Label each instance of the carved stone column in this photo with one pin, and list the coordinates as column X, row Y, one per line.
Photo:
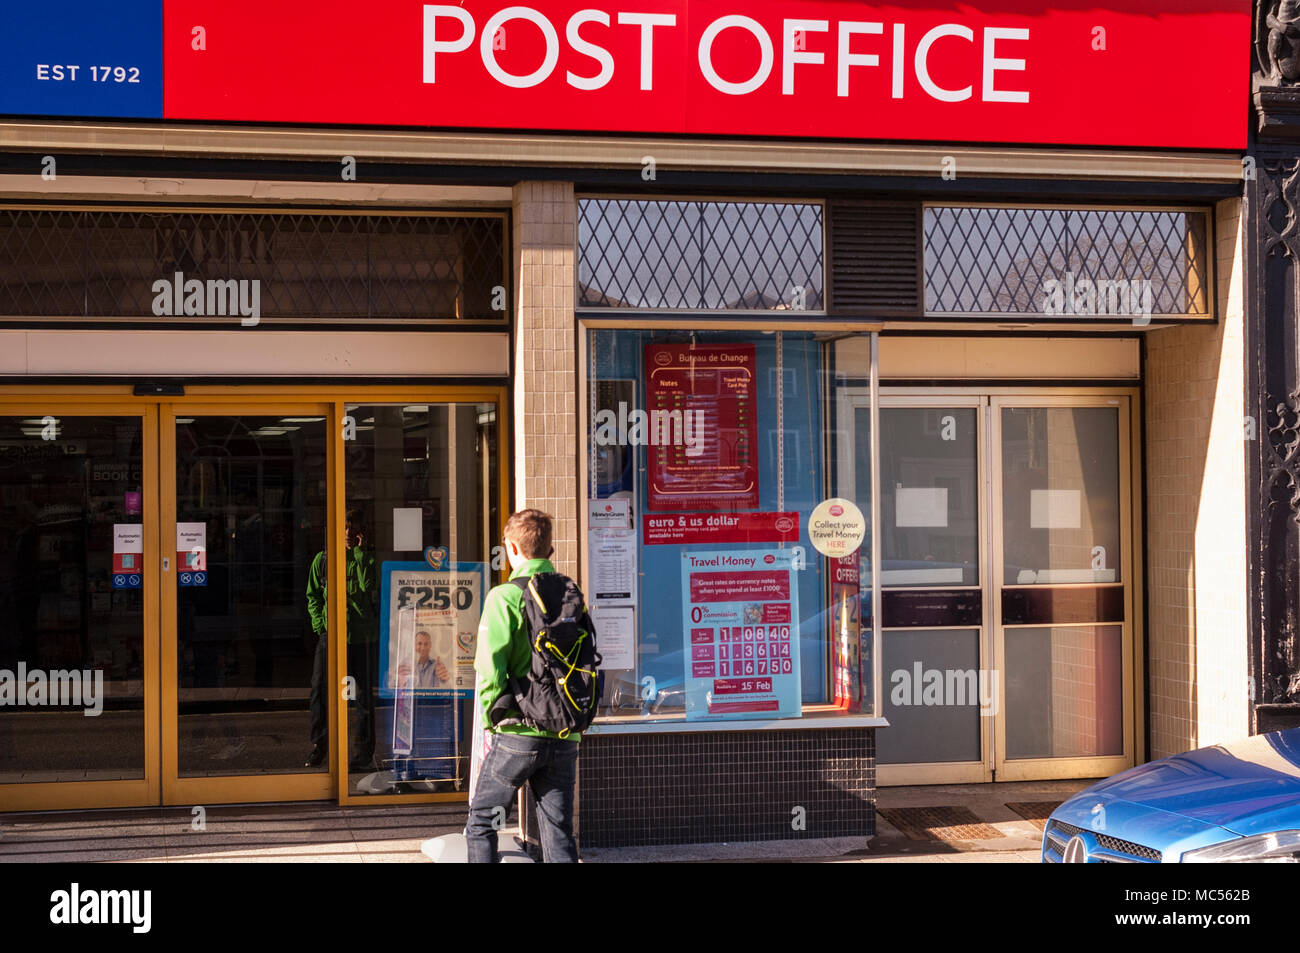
column 1272, row 209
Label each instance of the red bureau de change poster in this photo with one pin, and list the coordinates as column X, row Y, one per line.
column 703, row 428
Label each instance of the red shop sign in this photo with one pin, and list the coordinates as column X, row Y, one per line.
column 1011, row 71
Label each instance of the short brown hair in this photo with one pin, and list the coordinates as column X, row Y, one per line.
column 531, row 531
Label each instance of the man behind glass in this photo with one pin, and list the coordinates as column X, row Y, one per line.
column 362, row 639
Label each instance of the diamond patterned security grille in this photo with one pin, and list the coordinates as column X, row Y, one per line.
column 1003, row 260
column 103, row 264
column 706, row 256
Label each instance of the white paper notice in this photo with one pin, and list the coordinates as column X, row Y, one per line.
column 612, row 513
column 613, row 565
column 615, row 636
column 921, row 506
column 408, row 535
column 128, row 538
column 192, row 546
column 1054, row 509
column 191, row 536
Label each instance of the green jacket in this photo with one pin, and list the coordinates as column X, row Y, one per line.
column 503, row 648
column 363, row 624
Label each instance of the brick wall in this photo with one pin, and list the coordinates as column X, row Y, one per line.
column 545, row 445
column 1196, row 522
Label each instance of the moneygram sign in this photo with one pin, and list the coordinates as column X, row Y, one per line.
column 1009, row 71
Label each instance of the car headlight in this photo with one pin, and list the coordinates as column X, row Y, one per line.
column 1279, row 847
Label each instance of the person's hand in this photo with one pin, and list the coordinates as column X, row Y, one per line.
column 441, row 671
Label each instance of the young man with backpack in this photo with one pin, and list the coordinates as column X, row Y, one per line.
column 536, row 663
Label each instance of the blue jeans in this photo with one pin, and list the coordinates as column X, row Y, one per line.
column 550, row 766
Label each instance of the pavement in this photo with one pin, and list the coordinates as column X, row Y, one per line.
column 328, row 833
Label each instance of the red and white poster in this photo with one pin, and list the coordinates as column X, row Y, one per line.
column 1012, row 71
column 687, row 529
column 741, row 623
column 703, row 417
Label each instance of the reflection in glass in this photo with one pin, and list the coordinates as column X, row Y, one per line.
column 1064, row 691
column 71, row 627
column 421, row 479
column 1060, row 495
column 253, row 490
column 929, row 492
column 788, row 418
column 933, row 690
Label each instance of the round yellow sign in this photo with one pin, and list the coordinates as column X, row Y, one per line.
column 836, row 527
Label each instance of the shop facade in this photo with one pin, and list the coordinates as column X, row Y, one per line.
column 880, row 463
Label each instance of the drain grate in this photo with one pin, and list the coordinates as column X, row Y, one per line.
column 1035, row 812
column 945, row 823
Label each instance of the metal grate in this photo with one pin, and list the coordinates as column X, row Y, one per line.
column 944, row 822
column 1004, row 261
column 104, row 264
column 712, row 256
column 1105, row 840
column 875, row 258
column 1035, row 812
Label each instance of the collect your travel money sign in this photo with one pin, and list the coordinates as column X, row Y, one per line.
column 836, row 527
column 1014, row 71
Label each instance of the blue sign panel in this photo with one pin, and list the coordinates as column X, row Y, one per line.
column 82, row 58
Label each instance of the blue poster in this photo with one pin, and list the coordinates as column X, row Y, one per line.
column 434, row 653
column 741, row 631
column 82, row 58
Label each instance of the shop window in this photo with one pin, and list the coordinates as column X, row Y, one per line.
column 197, row 269
column 728, row 551
column 1080, row 263
column 712, row 256
column 423, row 508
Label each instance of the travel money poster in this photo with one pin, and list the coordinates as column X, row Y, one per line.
column 741, row 625
column 433, row 652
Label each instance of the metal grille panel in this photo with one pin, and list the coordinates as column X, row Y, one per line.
column 713, row 256
column 1105, row 840
column 875, row 258
column 1003, row 261
column 104, row 264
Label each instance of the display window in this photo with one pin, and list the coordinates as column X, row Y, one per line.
column 729, row 547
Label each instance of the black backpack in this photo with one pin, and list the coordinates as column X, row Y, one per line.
column 561, row 691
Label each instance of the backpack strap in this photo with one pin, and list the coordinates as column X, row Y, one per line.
column 522, row 583
column 507, row 701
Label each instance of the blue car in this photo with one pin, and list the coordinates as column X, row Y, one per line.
column 1232, row 802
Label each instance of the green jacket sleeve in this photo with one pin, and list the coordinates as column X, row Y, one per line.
column 316, row 593
column 501, row 618
column 363, row 622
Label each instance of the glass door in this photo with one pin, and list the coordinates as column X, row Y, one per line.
column 1063, row 568
column 78, row 607
column 935, row 658
column 1006, row 554
column 245, row 642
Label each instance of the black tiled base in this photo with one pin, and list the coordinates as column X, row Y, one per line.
column 702, row 787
